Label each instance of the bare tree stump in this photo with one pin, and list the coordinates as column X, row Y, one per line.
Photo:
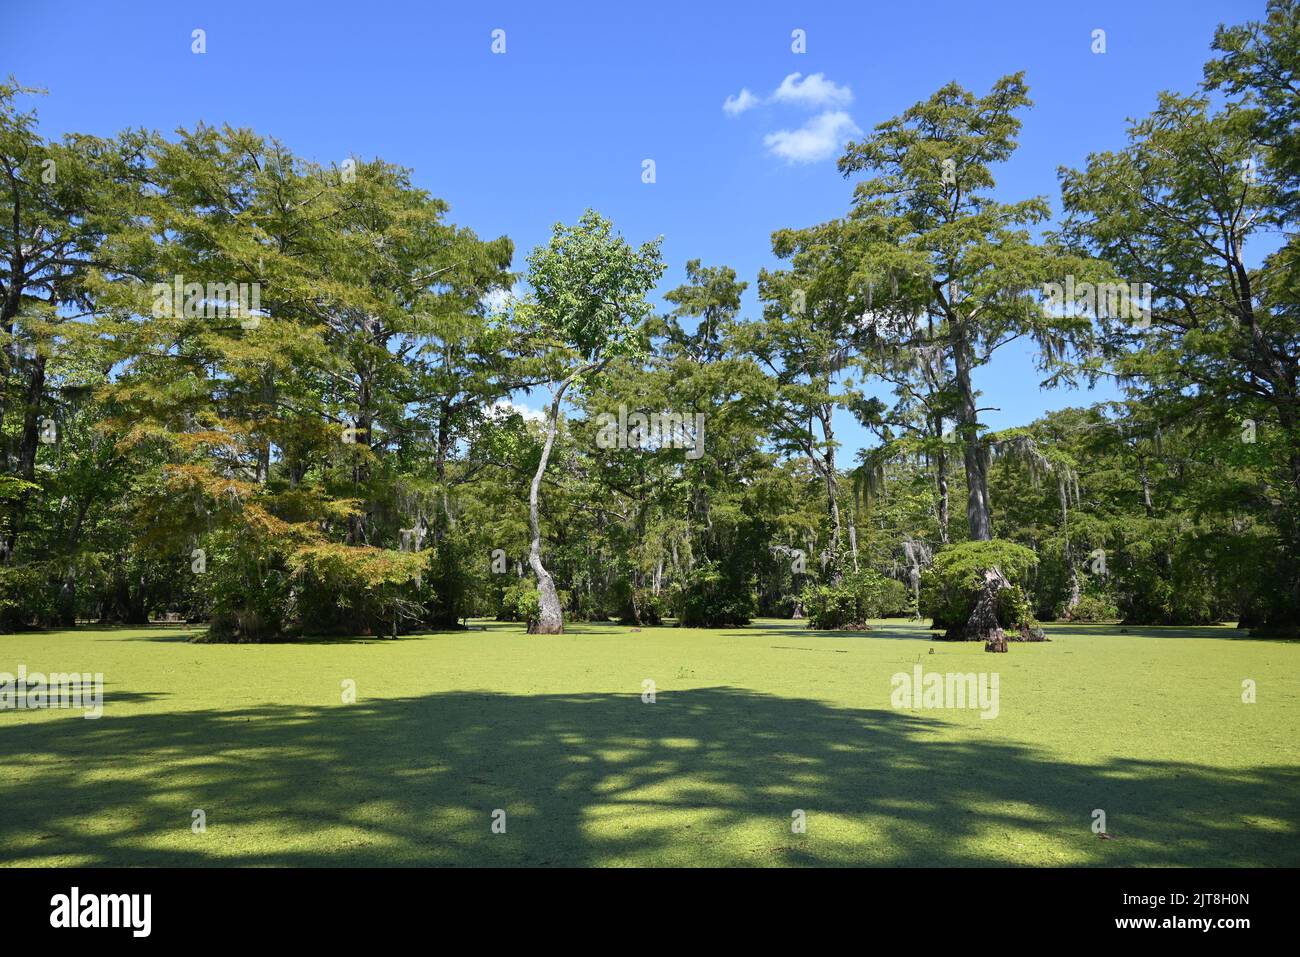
column 1030, row 633
column 983, row 621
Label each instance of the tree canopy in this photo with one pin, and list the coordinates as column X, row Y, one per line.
column 282, row 398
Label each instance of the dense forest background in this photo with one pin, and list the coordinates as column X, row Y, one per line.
column 244, row 389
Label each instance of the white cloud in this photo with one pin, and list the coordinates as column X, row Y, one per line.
column 742, row 101
column 812, row 91
column 505, row 407
column 818, row 139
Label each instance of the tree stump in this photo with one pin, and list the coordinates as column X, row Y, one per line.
column 983, row 621
column 1030, row 633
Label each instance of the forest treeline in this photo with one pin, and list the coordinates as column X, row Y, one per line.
column 246, row 389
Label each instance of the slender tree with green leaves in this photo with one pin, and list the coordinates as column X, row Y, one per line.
column 587, row 306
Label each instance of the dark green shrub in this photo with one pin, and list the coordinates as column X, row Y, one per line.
column 520, row 602
column 895, row 600
column 1013, row 608
column 253, row 596
column 645, row 607
column 859, row 596
column 712, row 598
column 25, row 598
column 1091, row 608
column 636, row 604
column 452, row 579
column 831, row 607
column 592, row 606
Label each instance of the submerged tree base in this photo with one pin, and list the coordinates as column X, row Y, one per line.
column 983, row 623
column 1029, row 633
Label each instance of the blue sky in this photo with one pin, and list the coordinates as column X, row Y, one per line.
column 586, row 92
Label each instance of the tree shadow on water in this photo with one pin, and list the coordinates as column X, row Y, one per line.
column 704, row 776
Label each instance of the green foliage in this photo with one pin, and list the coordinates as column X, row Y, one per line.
column 252, row 599
column 519, row 602
column 951, row 585
column 895, row 601
column 25, row 599
column 713, row 596
column 1091, row 608
column 1207, row 182
column 647, row 608
column 850, row 603
column 930, row 241
column 453, row 577
column 347, row 457
column 589, row 288
column 1013, row 608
